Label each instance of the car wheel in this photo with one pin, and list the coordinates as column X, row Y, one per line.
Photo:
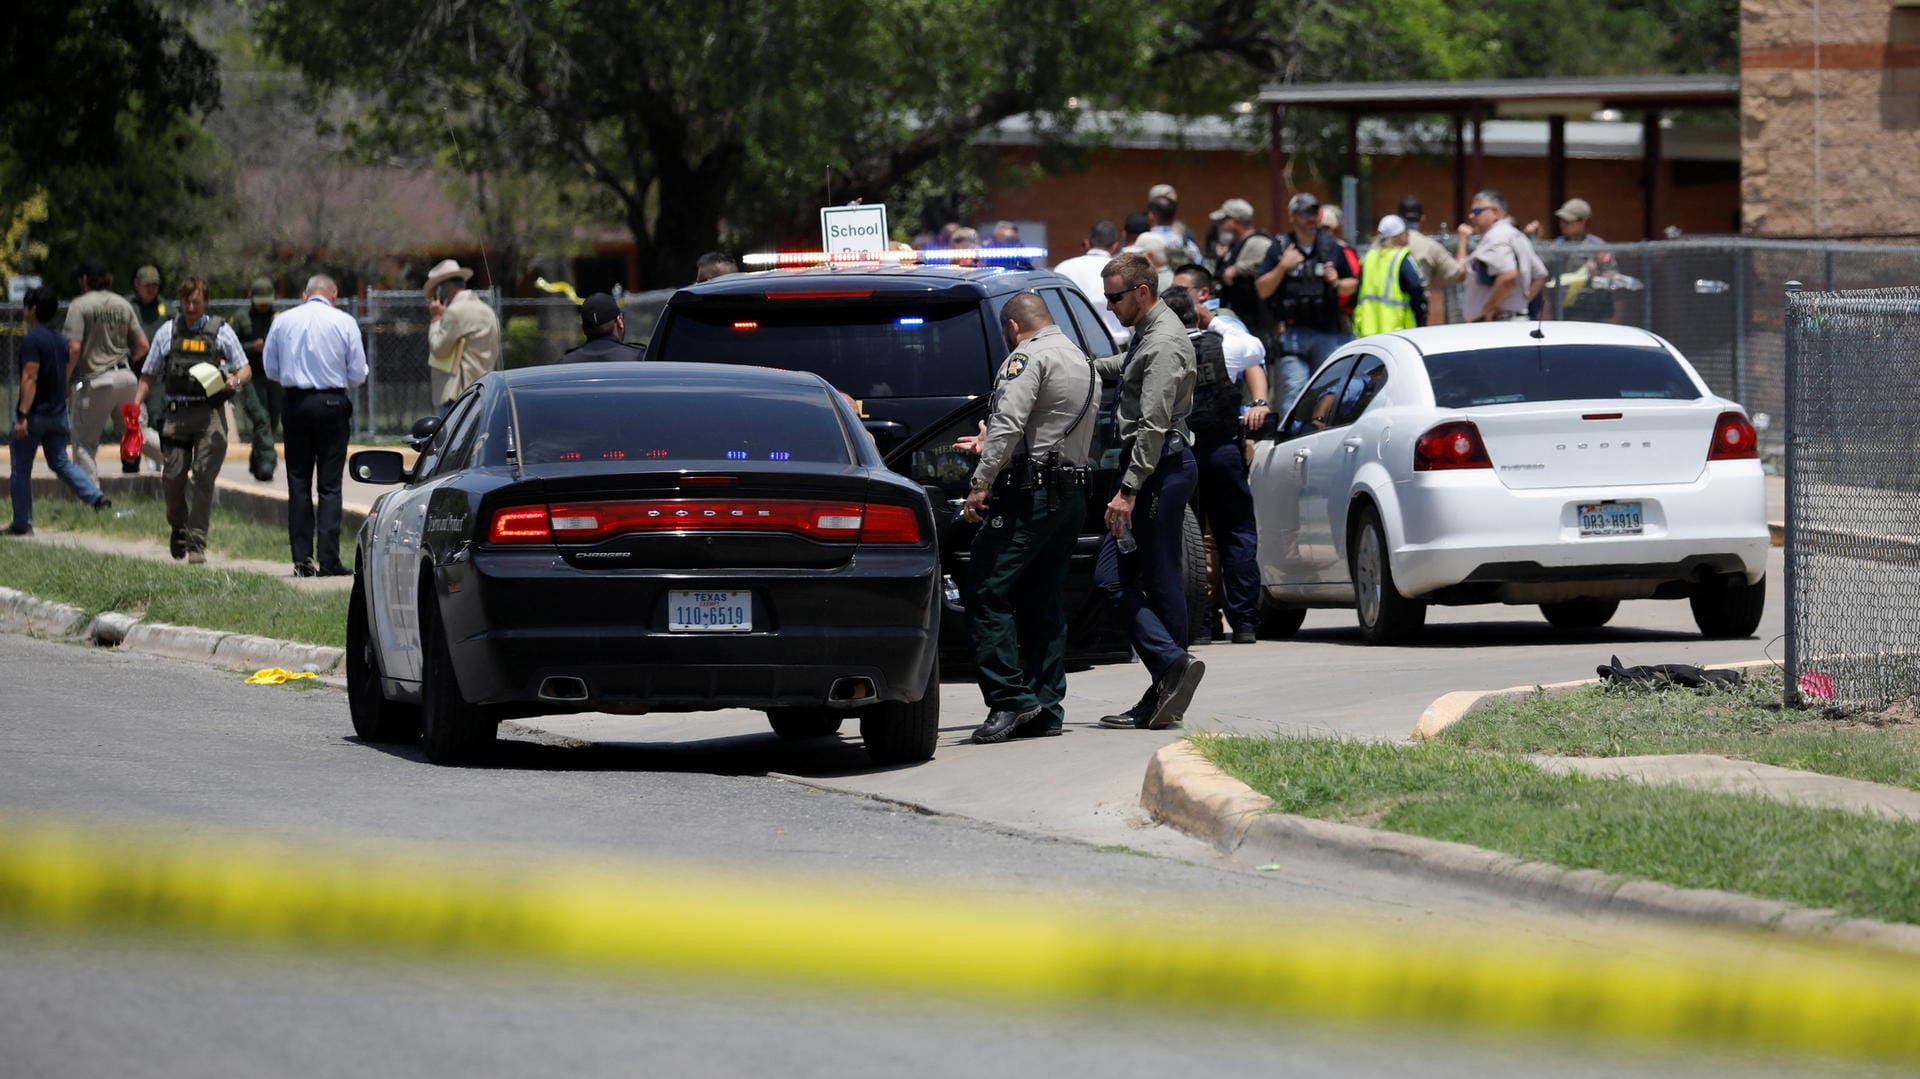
column 1580, row 613
column 1279, row 621
column 1193, row 580
column 1386, row 616
column 452, row 731
column 804, row 722
column 375, row 718
column 1729, row 607
column 904, row 732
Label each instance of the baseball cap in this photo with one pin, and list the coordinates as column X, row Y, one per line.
column 1574, row 210
column 1158, row 190
column 1411, row 209
column 263, row 288
column 92, row 267
column 146, row 275
column 1392, row 225
column 598, row 310
column 1303, row 202
column 1238, row 209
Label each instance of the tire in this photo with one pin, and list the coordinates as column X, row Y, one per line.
column 452, row 731
column 1193, row 580
column 1729, row 607
column 1279, row 621
column 904, row 733
column 804, row 722
column 375, row 718
column 1386, row 617
column 1580, row 613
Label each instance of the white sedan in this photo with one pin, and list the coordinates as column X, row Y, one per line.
column 1566, row 464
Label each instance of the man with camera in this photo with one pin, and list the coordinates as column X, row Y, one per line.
column 1302, row 279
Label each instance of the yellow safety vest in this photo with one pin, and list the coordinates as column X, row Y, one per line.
column 1383, row 305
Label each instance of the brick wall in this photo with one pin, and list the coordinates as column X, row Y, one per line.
column 1699, row 198
column 1830, row 109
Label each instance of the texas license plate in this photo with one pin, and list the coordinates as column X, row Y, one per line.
column 709, row 612
column 1610, row 519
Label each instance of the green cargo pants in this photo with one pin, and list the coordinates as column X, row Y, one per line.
column 260, row 403
column 1015, row 613
column 193, row 440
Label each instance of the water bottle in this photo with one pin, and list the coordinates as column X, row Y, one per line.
column 1124, row 542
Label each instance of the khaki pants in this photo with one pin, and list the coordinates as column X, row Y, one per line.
column 195, row 438
column 96, row 402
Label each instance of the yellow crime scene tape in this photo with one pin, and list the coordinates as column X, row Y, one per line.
column 673, row 921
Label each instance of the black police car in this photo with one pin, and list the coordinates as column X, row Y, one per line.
column 916, row 348
column 634, row 536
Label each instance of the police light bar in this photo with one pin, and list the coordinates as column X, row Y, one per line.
column 936, row 257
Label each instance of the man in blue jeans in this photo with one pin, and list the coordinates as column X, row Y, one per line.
column 1302, row 279
column 40, row 417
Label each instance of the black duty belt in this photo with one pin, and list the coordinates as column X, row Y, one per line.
column 322, row 389
column 1024, row 474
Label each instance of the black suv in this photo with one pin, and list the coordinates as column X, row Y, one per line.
column 916, row 347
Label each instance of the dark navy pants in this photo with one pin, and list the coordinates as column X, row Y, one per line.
column 1145, row 586
column 1223, row 500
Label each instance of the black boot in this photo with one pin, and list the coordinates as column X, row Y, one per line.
column 1176, row 686
column 1001, row 723
column 1137, row 716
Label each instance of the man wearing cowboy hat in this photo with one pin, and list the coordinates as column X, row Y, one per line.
column 463, row 340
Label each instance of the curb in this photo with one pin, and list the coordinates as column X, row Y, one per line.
column 1183, row 789
column 1451, row 708
column 22, row 613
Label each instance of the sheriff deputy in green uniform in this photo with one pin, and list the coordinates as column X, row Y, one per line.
column 202, row 364
column 1029, row 489
column 260, row 398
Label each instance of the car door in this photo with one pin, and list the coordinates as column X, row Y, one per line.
column 403, row 525
column 1330, row 474
column 1295, row 536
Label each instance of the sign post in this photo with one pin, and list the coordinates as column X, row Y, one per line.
column 853, row 228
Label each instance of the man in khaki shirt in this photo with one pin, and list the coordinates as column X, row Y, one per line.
column 464, row 337
column 104, row 341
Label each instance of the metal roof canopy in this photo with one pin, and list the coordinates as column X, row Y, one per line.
column 1471, row 102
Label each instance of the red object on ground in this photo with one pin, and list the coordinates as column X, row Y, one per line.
column 131, row 442
column 1816, row 685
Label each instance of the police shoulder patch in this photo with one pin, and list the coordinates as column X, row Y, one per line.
column 1016, row 363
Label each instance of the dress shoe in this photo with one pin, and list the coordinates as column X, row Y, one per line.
column 1137, row 716
column 177, row 544
column 334, row 571
column 196, row 558
column 17, row 530
column 1246, row 635
column 1000, row 724
column 1176, row 687
column 305, row 569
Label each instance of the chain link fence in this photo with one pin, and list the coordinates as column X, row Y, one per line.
column 1853, row 496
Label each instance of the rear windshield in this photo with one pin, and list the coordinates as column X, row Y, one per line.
column 864, row 350
column 1501, row 376
column 661, row 423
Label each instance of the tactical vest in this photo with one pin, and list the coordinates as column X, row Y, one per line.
column 1304, row 297
column 1215, row 417
column 190, row 347
column 1383, row 303
column 1242, row 297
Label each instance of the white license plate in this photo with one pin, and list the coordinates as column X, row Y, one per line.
column 1610, row 519
column 709, row 612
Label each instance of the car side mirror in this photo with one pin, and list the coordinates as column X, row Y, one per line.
column 377, row 466
column 423, row 431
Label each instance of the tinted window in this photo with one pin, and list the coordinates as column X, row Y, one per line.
column 446, row 452
column 864, row 350
column 1501, row 376
column 655, row 422
column 1368, row 379
column 1318, row 404
column 1092, row 330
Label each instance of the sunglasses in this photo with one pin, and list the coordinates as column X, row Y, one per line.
column 1116, row 297
column 1478, row 210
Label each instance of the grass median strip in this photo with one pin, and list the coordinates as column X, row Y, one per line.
column 204, row 596
column 1858, row 865
column 1748, row 723
column 144, row 517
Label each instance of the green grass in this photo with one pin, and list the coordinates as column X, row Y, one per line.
column 205, row 596
column 1862, row 866
column 144, row 517
column 1749, row 723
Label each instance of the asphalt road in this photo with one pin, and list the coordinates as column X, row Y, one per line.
column 120, row 738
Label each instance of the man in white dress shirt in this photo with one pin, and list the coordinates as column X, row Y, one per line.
column 316, row 353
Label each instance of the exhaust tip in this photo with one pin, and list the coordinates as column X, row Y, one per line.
column 851, row 690
column 562, row 687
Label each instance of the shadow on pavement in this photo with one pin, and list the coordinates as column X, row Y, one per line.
column 1503, row 634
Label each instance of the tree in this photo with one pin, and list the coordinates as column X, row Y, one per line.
column 126, row 169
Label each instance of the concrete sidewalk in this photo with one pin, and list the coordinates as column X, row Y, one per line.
column 1706, row 771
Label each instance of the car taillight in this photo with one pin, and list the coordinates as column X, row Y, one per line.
column 521, row 524
column 1450, row 446
column 834, row 522
column 1734, row 439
